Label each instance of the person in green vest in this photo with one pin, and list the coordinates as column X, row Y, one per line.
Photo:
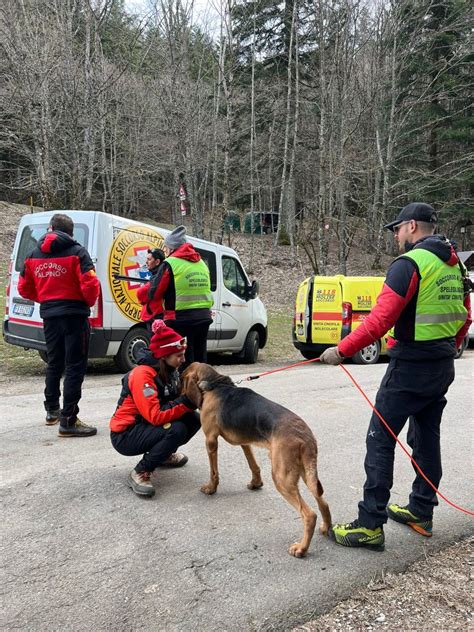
column 183, row 285
column 426, row 299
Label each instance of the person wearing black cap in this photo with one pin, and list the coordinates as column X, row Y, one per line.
column 183, row 284
column 151, row 310
column 424, row 299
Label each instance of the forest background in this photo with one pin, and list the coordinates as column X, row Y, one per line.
column 331, row 113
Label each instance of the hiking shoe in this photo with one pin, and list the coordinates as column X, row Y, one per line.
column 140, row 483
column 355, row 535
column 77, row 429
column 177, row 459
column 52, row 416
column 424, row 526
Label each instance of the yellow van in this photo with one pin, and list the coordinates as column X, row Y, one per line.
column 330, row 307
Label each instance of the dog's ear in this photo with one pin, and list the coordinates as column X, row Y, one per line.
column 190, row 387
column 190, row 370
column 193, row 392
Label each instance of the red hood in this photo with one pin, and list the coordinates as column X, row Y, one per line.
column 55, row 241
column 439, row 246
column 186, row 251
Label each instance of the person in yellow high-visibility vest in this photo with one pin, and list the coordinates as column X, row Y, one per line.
column 425, row 299
column 183, row 283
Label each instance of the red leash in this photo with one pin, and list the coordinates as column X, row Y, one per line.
column 400, row 443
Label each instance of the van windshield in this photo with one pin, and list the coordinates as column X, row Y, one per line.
column 31, row 235
column 234, row 278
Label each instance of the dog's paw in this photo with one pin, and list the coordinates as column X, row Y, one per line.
column 208, row 489
column 296, row 550
column 324, row 529
column 255, row 484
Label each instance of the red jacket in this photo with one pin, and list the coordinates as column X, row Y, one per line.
column 143, row 398
column 147, row 312
column 59, row 274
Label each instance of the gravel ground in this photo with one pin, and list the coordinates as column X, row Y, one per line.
column 434, row 594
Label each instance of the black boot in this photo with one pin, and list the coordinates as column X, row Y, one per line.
column 52, row 416
column 75, row 429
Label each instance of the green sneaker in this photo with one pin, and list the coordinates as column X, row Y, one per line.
column 355, row 535
column 404, row 516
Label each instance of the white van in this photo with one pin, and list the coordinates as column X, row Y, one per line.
column 118, row 247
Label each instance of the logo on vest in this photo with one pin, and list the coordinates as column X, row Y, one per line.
column 128, row 258
column 450, row 288
column 49, row 269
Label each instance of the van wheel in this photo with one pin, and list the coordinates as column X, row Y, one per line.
column 127, row 356
column 44, row 356
column 310, row 355
column 249, row 353
column 367, row 355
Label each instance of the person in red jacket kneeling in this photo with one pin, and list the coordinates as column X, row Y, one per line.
column 152, row 418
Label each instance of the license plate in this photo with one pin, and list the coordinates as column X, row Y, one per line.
column 23, row 310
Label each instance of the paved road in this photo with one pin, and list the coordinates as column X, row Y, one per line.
column 81, row 552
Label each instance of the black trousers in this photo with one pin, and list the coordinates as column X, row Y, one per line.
column 67, row 345
column 156, row 443
column 196, row 333
column 415, row 389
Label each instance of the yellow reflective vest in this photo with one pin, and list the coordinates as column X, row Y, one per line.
column 440, row 311
column 192, row 284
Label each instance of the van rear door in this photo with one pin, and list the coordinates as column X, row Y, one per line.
column 326, row 316
column 302, row 311
column 361, row 293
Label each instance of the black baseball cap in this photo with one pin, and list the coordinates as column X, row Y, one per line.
column 157, row 253
column 419, row 211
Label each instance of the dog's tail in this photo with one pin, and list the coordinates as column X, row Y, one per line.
column 309, row 454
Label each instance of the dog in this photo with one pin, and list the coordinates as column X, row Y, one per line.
column 243, row 417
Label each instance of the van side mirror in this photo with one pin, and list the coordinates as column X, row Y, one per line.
column 252, row 290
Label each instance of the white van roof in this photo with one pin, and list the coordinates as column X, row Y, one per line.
column 78, row 215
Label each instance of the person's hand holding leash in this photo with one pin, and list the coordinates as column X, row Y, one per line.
column 331, row 356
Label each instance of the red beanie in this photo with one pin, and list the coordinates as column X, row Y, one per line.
column 163, row 336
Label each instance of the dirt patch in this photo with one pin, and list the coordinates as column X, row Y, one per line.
column 434, row 594
column 279, row 274
column 10, row 215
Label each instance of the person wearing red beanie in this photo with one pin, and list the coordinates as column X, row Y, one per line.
column 152, row 418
